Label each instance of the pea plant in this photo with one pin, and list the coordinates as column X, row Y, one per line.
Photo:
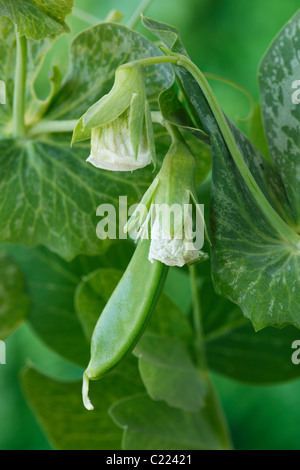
column 143, row 311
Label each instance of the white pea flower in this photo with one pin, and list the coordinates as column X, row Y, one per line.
column 112, row 149
column 119, row 124
column 168, row 211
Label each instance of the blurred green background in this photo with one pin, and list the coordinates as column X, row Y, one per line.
column 227, row 38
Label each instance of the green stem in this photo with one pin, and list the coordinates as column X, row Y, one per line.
column 277, row 222
column 213, row 402
column 46, row 127
column 135, row 18
column 161, row 59
column 215, row 405
column 19, row 90
column 197, row 321
column 86, row 17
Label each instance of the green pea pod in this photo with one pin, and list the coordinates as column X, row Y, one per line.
column 125, row 315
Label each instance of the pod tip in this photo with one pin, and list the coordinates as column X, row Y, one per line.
column 85, row 390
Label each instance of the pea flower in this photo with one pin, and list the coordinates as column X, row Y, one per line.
column 119, row 124
column 168, row 211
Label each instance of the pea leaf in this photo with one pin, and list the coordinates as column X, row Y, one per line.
column 234, row 349
column 168, row 318
column 278, row 75
column 262, row 357
column 169, row 373
column 14, row 301
column 62, row 416
column 50, row 196
column 38, row 19
column 51, row 285
column 45, row 201
column 251, row 264
column 152, row 425
column 168, row 34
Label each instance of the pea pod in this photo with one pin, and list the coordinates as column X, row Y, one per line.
column 125, row 315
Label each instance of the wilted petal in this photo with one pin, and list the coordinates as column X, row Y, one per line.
column 170, row 250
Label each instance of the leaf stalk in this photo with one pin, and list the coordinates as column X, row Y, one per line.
column 20, row 83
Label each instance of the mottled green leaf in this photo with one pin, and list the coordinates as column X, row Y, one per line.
column 169, row 373
column 14, row 301
column 154, row 425
column 37, row 19
column 278, row 71
column 168, row 34
column 49, row 195
column 94, row 56
column 251, row 264
column 60, row 412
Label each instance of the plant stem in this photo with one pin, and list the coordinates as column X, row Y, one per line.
column 19, row 90
column 213, row 403
column 135, row 18
column 216, row 407
column 197, row 320
column 45, row 126
column 86, row 17
column 160, row 59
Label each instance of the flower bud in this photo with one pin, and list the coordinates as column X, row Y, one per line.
column 119, row 124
